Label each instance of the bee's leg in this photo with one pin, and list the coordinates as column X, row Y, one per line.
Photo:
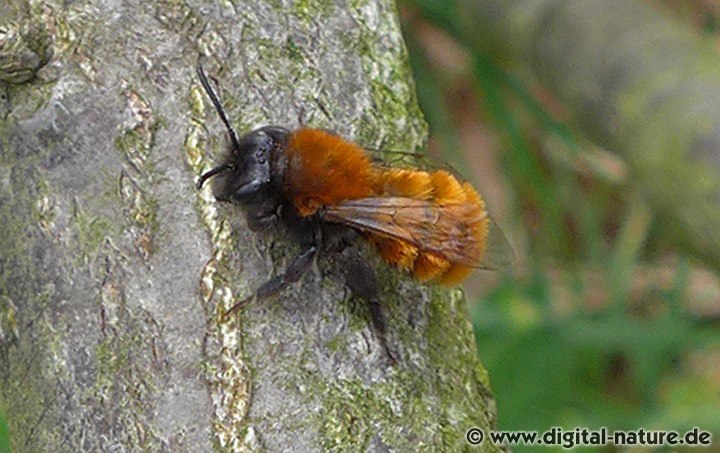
column 292, row 274
column 361, row 279
column 263, row 217
column 262, row 221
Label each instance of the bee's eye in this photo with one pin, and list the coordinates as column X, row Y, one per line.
column 260, row 155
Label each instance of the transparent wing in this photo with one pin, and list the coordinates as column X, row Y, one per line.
column 448, row 230
column 499, row 254
column 410, row 159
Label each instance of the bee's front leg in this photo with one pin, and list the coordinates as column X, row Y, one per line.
column 264, row 216
column 292, row 274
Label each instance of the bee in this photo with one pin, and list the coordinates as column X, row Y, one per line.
column 329, row 191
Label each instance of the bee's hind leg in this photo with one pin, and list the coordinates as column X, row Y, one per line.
column 360, row 277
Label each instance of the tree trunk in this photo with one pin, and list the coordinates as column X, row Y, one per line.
column 114, row 267
column 634, row 80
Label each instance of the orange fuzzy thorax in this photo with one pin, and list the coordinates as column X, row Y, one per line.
column 324, row 169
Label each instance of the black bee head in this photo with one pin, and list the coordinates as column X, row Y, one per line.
column 249, row 170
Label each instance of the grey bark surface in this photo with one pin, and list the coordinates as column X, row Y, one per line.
column 114, row 268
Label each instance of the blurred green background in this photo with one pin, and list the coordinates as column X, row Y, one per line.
column 4, row 437
column 603, row 320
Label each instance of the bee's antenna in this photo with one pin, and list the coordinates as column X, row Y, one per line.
column 212, row 172
column 218, row 106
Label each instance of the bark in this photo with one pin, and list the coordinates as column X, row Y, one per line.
column 635, row 81
column 114, row 268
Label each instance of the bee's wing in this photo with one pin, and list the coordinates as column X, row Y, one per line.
column 499, row 253
column 447, row 230
column 411, row 159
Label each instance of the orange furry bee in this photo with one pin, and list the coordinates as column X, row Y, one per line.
column 328, row 191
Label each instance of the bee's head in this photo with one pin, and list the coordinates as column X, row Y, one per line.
column 248, row 170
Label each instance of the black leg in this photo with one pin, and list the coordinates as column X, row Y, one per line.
column 263, row 217
column 292, row 274
column 262, row 221
column 362, row 281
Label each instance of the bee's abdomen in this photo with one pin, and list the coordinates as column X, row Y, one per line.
column 442, row 189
